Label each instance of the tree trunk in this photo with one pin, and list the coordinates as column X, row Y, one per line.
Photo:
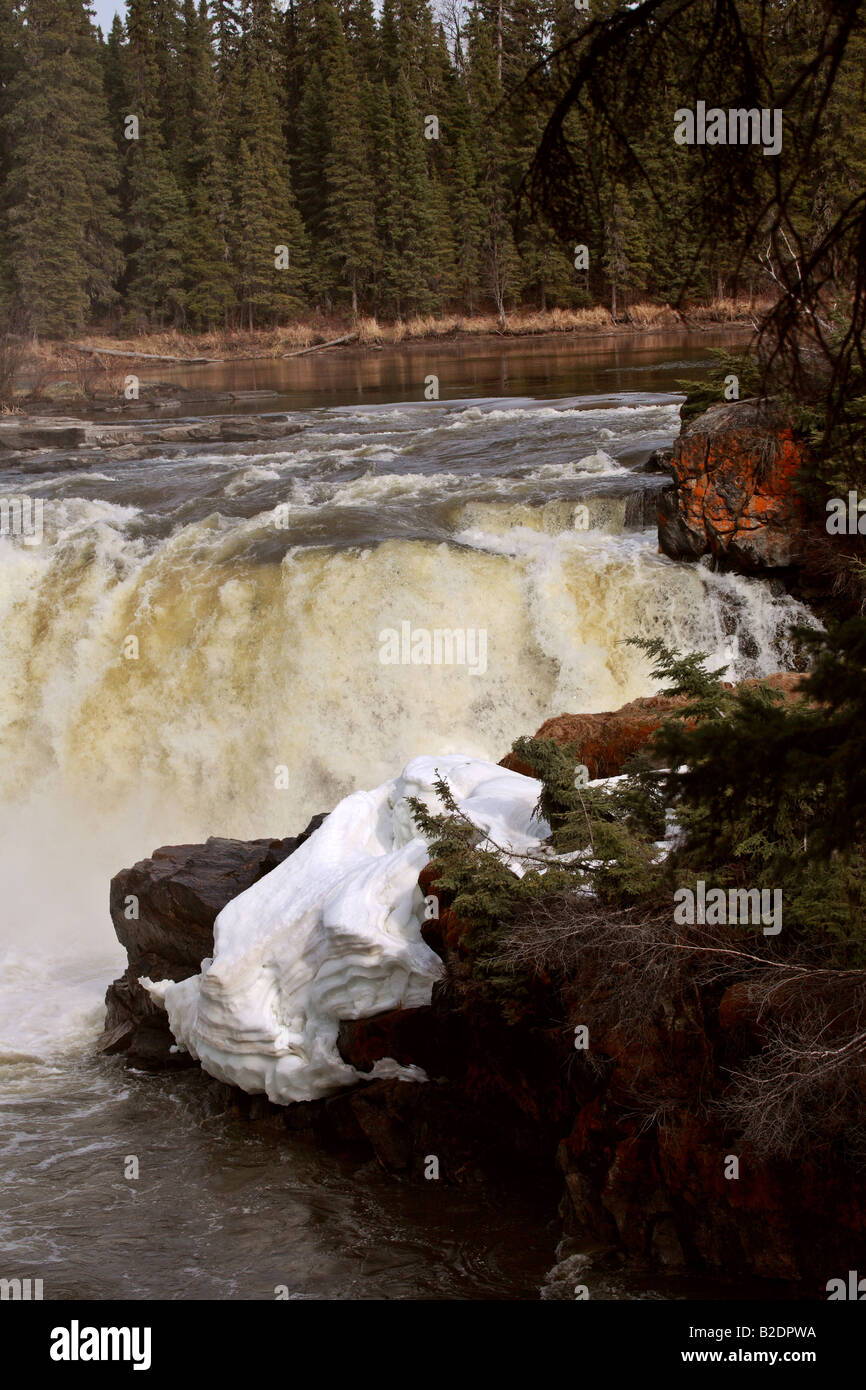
column 148, row 356
column 317, row 347
column 499, row 40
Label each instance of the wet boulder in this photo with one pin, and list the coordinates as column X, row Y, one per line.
column 163, row 910
column 734, row 496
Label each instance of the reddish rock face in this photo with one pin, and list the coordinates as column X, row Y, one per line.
column 607, row 741
column 734, row 469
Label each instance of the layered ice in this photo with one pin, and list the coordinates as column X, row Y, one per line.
column 334, row 932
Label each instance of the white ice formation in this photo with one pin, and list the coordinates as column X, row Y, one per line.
column 334, row 932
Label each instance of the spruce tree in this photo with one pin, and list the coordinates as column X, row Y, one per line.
column 349, row 218
column 271, row 246
column 626, row 261
column 168, row 31
column 225, row 18
column 208, row 274
column 389, row 42
column 157, row 212
column 9, row 25
column 312, row 155
column 61, row 225
column 117, row 79
column 468, row 224
column 500, row 263
column 387, row 203
column 417, row 262
column 362, row 38
column 350, row 222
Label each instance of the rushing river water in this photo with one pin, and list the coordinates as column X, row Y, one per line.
column 256, row 580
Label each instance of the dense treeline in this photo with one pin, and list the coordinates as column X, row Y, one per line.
column 241, row 161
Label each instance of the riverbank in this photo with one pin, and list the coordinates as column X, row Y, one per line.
column 489, row 1076
column 95, row 367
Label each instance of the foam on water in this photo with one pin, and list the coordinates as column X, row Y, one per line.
column 258, row 652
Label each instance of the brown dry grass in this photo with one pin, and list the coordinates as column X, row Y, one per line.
column 274, row 342
column 646, row 315
column 56, row 370
column 732, row 310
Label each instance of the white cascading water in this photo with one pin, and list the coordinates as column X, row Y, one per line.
column 257, row 696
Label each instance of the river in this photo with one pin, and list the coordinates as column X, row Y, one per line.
column 194, row 649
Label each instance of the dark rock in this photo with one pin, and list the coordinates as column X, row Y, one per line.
column 23, row 434
column 163, row 910
column 407, row 1035
column 20, row 433
column 659, row 461
column 382, row 1124
column 239, row 429
column 677, row 538
column 641, row 507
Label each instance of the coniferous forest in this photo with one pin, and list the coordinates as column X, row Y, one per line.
column 237, row 163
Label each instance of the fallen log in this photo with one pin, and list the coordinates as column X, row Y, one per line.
column 317, row 347
column 150, row 356
column 197, row 361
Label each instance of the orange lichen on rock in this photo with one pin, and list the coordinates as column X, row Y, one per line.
column 734, row 470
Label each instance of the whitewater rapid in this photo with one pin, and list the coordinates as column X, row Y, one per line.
column 194, row 647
